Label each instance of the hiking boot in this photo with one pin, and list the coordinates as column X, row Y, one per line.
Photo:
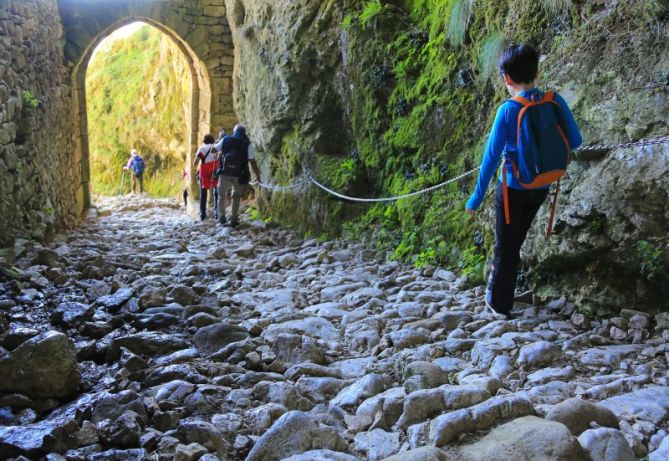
column 222, row 221
column 231, row 224
column 497, row 315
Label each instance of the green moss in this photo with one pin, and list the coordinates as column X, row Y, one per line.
column 371, row 9
column 597, row 224
column 28, row 99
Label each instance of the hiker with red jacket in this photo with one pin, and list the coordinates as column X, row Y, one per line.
column 206, row 158
column 534, row 133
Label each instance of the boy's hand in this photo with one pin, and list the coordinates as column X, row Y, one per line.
column 470, row 211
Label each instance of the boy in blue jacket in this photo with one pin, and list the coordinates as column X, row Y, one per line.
column 518, row 67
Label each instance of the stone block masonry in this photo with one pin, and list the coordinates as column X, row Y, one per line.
column 40, row 176
column 45, row 46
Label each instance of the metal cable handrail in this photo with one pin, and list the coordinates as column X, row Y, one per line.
column 309, row 178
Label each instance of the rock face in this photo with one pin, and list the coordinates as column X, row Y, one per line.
column 290, row 91
column 299, row 88
column 339, row 68
column 44, row 367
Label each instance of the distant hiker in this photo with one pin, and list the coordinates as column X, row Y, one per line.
column 185, row 179
column 207, row 159
column 237, row 152
column 136, row 167
column 533, row 132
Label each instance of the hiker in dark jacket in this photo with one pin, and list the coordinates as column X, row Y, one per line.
column 237, row 152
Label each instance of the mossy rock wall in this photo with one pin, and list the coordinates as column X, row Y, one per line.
column 380, row 98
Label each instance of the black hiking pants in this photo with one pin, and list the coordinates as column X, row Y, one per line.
column 203, row 202
column 509, row 238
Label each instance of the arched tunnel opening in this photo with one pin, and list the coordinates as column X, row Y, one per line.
column 151, row 91
column 138, row 98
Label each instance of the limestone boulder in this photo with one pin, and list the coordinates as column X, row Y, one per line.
column 33, row 440
column 43, row 367
column 662, row 452
column 526, row 438
column 422, row 454
column 577, row 414
column 211, row 338
column 322, row 455
column 538, row 353
column 606, row 444
column 294, row 433
column 376, row 444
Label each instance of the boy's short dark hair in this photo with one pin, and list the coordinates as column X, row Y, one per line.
column 209, row 139
column 520, row 63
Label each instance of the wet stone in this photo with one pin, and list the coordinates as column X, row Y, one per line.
column 49, row 359
column 69, row 314
column 211, row 338
column 115, row 301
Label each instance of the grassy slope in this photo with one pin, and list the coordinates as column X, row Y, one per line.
column 138, row 92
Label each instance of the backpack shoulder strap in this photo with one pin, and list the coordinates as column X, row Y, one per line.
column 520, row 100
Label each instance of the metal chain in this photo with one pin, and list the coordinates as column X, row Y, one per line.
column 310, row 178
column 397, row 197
column 281, row 188
column 625, row 145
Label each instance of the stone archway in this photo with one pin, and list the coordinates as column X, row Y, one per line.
column 201, row 32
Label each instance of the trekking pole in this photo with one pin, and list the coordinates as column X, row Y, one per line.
column 120, row 188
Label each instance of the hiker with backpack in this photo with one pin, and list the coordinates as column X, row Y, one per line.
column 237, row 152
column 206, row 163
column 533, row 134
column 136, row 166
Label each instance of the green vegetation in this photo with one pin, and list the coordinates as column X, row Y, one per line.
column 557, row 6
column 651, row 260
column 490, row 51
column 138, row 96
column 597, row 224
column 29, row 100
column 372, row 9
column 424, row 97
column 459, row 21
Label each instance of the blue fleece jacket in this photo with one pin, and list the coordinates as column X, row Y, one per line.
column 503, row 139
